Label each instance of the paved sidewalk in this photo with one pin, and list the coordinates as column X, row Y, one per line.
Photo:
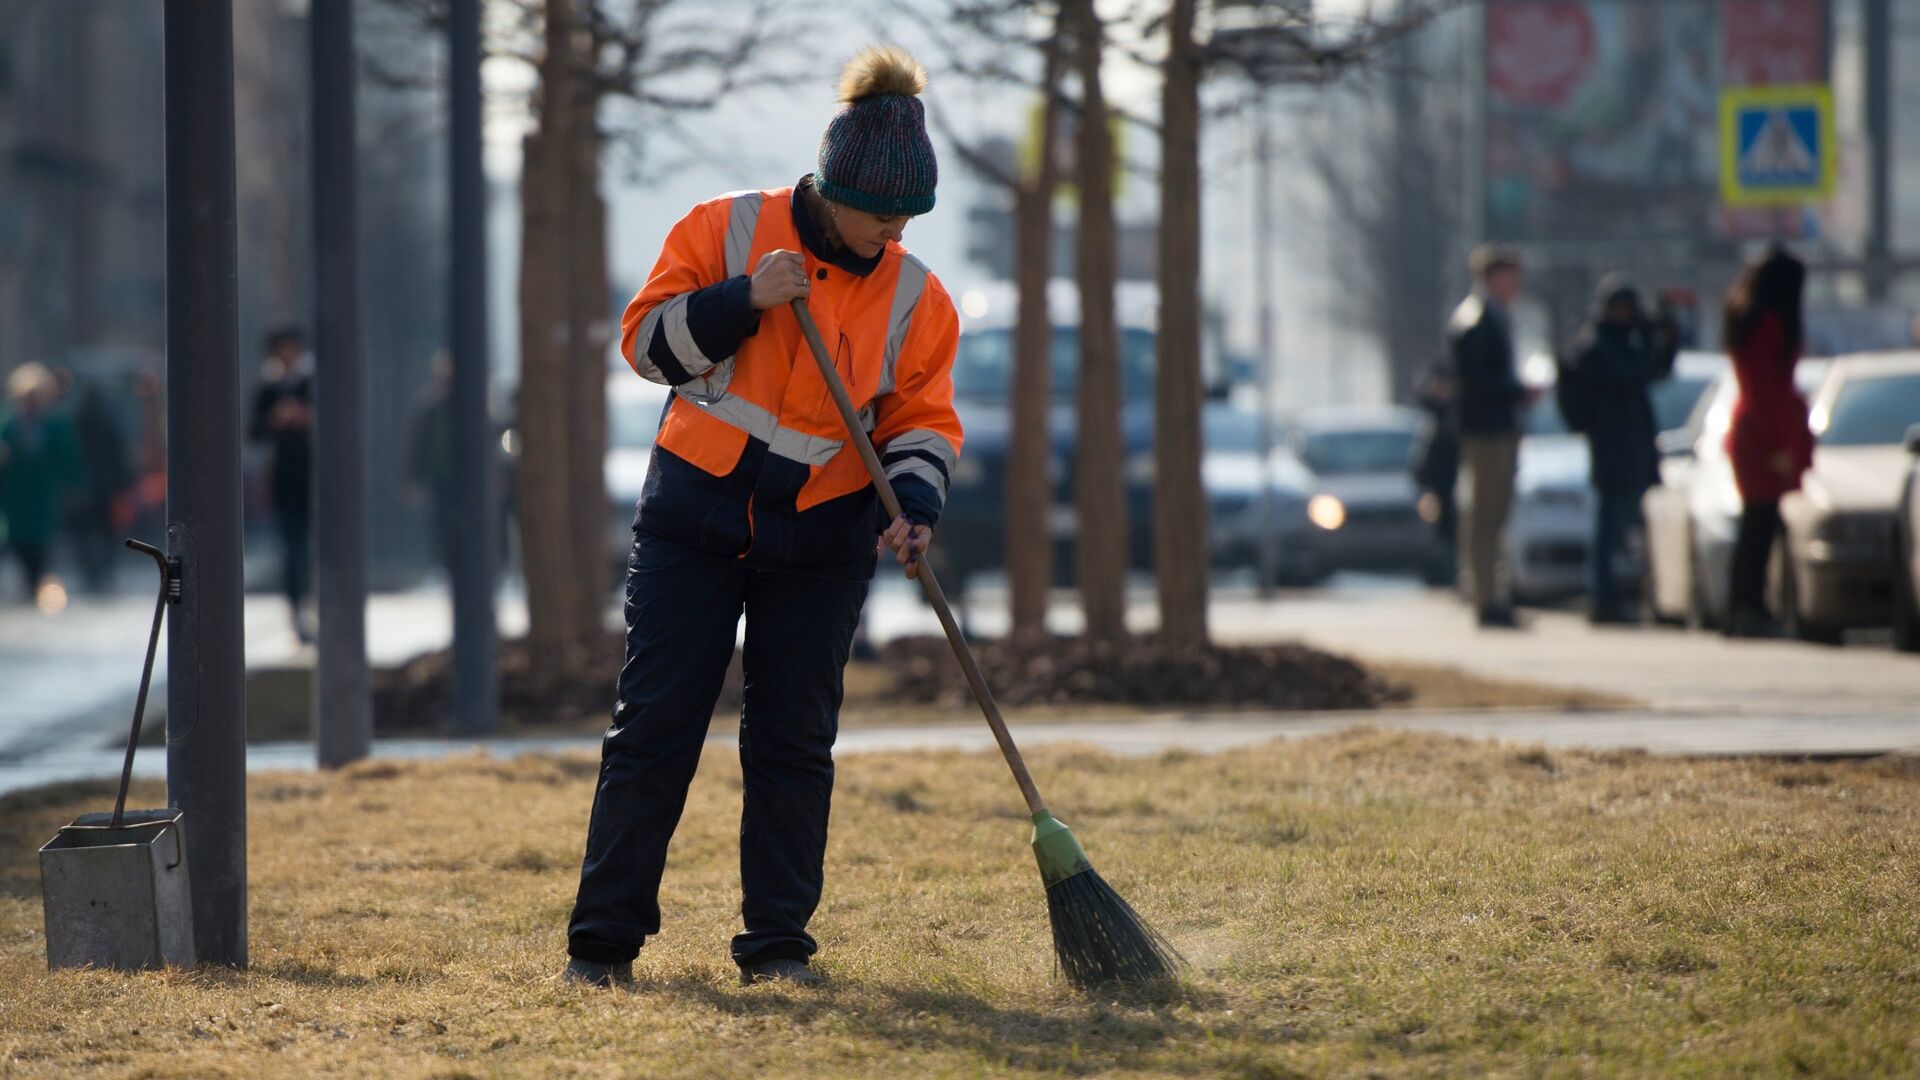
column 71, row 678
column 1668, row 733
column 1703, row 695
column 1668, row 669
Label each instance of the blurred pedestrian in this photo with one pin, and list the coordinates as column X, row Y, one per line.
column 1768, row 440
column 283, row 419
column 1487, row 404
column 430, row 458
column 105, row 514
column 41, row 470
column 1437, row 461
column 754, row 503
column 1604, row 391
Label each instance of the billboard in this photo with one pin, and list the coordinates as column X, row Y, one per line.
column 1602, row 116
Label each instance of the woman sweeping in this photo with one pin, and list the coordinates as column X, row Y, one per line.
column 753, row 505
column 1768, row 439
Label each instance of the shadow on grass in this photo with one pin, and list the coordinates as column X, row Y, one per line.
column 1110, row 1023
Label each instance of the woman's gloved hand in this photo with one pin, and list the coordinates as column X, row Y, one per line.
column 908, row 542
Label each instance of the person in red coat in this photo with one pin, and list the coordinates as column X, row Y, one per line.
column 1769, row 441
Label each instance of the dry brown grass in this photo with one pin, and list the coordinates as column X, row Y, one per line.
column 1368, row 903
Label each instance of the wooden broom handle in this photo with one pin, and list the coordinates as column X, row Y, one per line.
column 935, row 596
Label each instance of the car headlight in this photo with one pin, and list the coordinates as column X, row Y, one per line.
column 1326, row 512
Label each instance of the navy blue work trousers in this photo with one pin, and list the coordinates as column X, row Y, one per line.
column 683, row 606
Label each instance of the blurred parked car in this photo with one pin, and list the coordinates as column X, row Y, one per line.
column 1231, row 470
column 1834, row 566
column 1906, row 551
column 972, row 533
column 1363, row 504
column 1679, row 408
column 1551, row 525
column 1694, row 513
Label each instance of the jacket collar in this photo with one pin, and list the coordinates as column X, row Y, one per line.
column 814, row 235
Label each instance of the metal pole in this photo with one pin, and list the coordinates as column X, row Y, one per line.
column 206, row 710
column 1878, row 30
column 476, row 690
column 1269, row 556
column 342, row 696
column 1473, row 61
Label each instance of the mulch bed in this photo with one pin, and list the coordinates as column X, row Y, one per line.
column 1069, row 671
column 418, row 696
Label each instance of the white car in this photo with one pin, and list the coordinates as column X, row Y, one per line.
column 1834, row 565
column 1693, row 515
column 1551, row 525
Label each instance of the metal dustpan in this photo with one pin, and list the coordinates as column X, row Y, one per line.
column 115, row 885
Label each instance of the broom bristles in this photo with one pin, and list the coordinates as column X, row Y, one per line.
column 1098, row 938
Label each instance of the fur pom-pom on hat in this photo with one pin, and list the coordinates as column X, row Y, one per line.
column 881, row 69
column 876, row 155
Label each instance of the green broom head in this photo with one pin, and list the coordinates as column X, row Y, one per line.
column 1097, row 936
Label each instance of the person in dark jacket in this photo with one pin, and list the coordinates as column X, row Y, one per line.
column 41, row 470
column 107, row 508
column 1768, row 440
column 1618, row 356
column 430, row 464
column 1488, row 397
column 1436, row 465
column 283, row 419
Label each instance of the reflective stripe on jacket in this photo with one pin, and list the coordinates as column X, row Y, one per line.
column 751, row 454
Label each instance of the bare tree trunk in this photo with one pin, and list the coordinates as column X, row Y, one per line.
column 1099, row 478
column 1179, row 502
column 1029, row 542
column 587, row 303
column 546, row 490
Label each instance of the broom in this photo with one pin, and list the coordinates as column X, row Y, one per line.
column 1097, row 936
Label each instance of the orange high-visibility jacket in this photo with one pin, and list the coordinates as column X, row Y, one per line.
column 751, row 456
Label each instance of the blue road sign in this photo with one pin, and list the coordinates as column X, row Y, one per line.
column 1776, row 145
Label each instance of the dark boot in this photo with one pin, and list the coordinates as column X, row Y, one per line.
column 791, row 972
column 587, row 973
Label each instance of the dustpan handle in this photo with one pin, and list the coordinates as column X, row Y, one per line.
column 931, row 585
column 167, row 581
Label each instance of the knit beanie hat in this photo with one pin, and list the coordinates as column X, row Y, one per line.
column 876, row 155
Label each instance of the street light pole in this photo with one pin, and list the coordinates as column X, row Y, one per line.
column 206, row 710
column 476, row 688
column 342, row 698
column 1878, row 34
column 1269, row 556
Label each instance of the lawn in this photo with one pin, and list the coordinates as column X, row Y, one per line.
column 1368, row 903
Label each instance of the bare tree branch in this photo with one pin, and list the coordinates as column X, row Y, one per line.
column 1289, row 45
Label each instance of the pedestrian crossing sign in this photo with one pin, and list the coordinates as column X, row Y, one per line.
column 1776, row 144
